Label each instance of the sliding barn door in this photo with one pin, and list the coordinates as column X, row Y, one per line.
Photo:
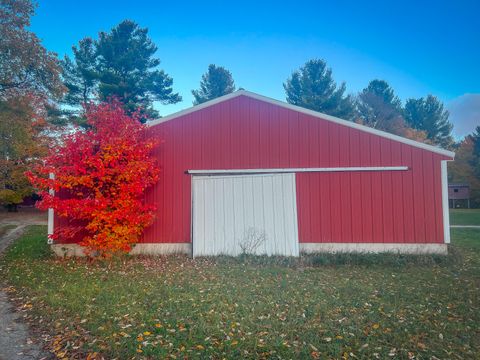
column 255, row 214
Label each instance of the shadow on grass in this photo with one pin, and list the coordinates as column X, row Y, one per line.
column 339, row 259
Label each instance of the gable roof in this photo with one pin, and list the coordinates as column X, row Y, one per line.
column 302, row 110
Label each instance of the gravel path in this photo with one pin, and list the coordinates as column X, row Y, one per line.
column 16, row 342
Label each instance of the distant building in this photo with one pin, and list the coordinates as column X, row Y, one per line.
column 459, row 194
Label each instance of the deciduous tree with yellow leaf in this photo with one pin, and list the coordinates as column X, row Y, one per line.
column 29, row 84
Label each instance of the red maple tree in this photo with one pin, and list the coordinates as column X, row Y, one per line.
column 96, row 178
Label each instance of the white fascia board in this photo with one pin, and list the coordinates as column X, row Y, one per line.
column 307, row 112
column 197, row 107
column 296, row 170
column 445, row 206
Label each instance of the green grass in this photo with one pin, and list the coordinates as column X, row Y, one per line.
column 315, row 307
column 465, row 216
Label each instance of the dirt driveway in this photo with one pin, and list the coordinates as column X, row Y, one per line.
column 16, row 342
column 24, row 216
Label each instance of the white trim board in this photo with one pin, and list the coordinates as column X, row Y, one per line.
column 446, row 213
column 296, row 170
column 373, row 248
column 51, row 215
column 307, row 112
column 67, row 250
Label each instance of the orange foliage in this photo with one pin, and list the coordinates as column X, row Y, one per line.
column 100, row 175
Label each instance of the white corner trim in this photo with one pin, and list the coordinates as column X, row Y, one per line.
column 373, row 248
column 297, row 170
column 445, row 207
column 307, row 112
column 51, row 215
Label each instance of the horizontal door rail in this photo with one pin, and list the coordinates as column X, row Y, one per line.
column 296, row 170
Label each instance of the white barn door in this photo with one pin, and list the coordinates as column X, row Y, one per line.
column 256, row 214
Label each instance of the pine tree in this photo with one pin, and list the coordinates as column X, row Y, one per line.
column 216, row 82
column 120, row 64
column 428, row 114
column 378, row 106
column 313, row 87
column 80, row 74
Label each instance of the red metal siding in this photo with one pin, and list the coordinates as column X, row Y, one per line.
column 402, row 206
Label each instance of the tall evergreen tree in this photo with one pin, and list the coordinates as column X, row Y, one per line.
column 216, row 82
column 121, row 64
column 429, row 115
column 312, row 86
column 378, row 106
column 80, row 74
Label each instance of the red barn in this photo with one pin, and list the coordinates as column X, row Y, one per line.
column 246, row 173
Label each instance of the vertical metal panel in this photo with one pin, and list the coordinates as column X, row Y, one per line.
column 418, row 195
column 366, row 190
column 229, row 211
column 408, row 198
column 397, row 192
column 429, row 188
column 356, row 186
column 335, row 188
column 387, row 193
column 345, row 186
column 377, row 192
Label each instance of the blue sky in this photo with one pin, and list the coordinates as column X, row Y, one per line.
column 419, row 47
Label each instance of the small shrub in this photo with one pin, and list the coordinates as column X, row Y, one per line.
column 252, row 240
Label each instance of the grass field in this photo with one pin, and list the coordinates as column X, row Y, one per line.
column 356, row 307
column 465, row 216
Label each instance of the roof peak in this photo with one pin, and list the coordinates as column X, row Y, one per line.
column 306, row 111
